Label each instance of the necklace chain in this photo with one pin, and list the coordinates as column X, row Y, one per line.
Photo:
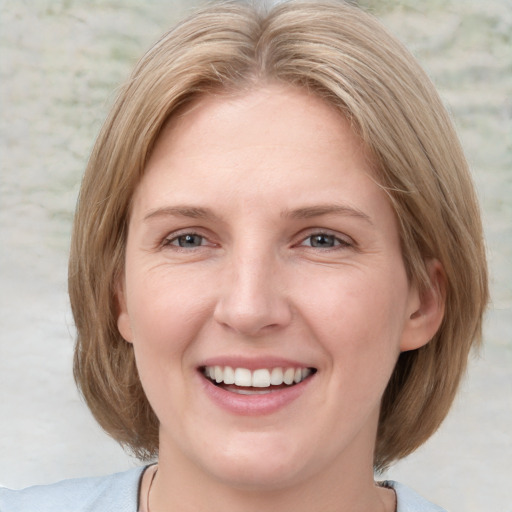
column 149, row 488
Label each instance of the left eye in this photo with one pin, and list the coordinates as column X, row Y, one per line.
column 323, row 241
column 188, row 240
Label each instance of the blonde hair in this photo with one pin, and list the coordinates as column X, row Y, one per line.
column 343, row 55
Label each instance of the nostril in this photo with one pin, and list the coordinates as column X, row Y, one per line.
column 251, row 306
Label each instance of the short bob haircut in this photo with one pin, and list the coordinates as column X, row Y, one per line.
column 343, row 55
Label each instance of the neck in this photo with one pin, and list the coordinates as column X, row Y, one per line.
column 340, row 488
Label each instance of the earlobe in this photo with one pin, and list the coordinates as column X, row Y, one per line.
column 123, row 318
column 426, row 309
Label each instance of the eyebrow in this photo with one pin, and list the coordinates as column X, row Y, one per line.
column 192, row 212
column 327, row 209
column 308, row 212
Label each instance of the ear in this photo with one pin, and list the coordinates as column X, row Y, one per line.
column 425, row 309
column 123, row 318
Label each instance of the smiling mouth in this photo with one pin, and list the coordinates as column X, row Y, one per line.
column 255, row 382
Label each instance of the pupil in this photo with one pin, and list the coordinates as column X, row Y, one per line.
column 189, row 241
column 322, row 241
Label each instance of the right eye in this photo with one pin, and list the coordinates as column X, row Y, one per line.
column 187, row 241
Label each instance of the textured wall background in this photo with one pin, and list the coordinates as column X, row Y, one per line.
column 61, row 61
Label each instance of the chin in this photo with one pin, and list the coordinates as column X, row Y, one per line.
column 258, row 466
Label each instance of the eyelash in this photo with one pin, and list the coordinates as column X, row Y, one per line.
column 338, row 243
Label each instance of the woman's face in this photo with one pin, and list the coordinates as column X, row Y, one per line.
column 261, row 249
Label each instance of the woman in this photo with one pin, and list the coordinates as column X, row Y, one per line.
column 269, row 268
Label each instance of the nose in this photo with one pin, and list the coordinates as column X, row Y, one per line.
column 252, row 299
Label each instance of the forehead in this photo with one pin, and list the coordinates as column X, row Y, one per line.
column 270, row 135
column 288, row 103
column 269, row 115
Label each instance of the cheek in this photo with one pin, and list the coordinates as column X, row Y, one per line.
column 165, row 319
column 167, row 312
column 358, row 316
column 164, row 305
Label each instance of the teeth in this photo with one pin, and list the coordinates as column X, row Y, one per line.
column 243, row 377
column 229, row 375
column 276, row 377
column 289, row 374
column 260, row 378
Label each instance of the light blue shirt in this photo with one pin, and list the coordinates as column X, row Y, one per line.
column 120, row 493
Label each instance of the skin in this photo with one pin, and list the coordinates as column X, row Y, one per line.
column 252, row 178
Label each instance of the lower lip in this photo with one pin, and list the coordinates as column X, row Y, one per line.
column 253, row 405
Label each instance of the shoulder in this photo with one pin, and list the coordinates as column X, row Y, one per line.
column 118, row 492
column 410, row 501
